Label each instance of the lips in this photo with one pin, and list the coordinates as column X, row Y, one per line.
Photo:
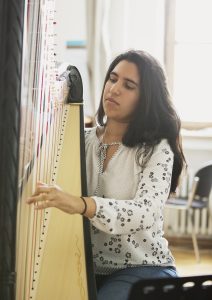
column 112, row 101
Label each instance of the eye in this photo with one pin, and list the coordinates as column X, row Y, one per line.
column 112, row 78
column 129, row 86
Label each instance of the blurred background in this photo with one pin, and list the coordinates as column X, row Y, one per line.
column 179, row 34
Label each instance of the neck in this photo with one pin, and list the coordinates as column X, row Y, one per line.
column 114, row 131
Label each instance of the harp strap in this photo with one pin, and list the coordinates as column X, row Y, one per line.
column 84, row 210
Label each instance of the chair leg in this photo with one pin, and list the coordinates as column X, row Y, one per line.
column 194, row 237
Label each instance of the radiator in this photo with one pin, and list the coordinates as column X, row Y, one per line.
column 177, row 222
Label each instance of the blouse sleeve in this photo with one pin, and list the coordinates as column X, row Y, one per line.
column 129, row 216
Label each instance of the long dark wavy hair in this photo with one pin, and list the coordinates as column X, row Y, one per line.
column 154, row 117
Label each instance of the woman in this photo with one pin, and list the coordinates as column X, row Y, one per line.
column 134, row 160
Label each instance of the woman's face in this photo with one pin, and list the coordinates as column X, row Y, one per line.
column 121, row 92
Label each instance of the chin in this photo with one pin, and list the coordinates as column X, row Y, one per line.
column 112, row 115
column 116, row 116
column 118, row 119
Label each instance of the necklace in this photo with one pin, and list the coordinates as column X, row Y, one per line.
column 108, row 144
column 103, row 151
column 102, row 154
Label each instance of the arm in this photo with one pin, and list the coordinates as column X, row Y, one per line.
column 46, row 195
column 119, row 216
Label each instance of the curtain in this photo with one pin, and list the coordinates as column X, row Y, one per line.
column 98, row 46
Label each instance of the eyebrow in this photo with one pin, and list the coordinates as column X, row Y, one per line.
column 125, row 78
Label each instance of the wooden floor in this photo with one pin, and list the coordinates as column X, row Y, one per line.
column 186, row 263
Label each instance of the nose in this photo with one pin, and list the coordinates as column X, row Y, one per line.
column 115, row 88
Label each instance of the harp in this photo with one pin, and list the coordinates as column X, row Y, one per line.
column 45, row 254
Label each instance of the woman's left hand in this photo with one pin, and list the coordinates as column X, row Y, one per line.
column 52, row 196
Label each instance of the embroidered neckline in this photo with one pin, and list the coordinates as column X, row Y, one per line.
column 101, row 153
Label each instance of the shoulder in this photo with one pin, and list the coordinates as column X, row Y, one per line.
column 154, row 155
column 91, row 131
column 95, row 131
column 163, row 147
column 162, row 153
column 88, row 131
column 91, row 135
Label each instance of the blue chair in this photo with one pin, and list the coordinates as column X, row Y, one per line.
column 198, row 198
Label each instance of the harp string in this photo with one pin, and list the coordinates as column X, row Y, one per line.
column 28, row 109
column 42, row 108
column 37, row 98
column 43, row 159
column 36, row 129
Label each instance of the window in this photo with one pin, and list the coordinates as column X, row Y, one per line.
column 189, row 67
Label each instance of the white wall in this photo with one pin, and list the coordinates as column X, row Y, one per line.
column 197, row 147
column 144, row 28
column 131, row 24
column 142, row 24
column 71, row 25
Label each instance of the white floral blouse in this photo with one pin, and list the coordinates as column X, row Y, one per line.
column 127, row 229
